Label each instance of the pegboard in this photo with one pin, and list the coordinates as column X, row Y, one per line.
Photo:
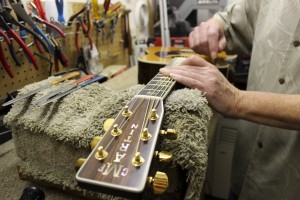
column 110, row 53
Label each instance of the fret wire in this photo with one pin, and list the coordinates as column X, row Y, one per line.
column 166, row 81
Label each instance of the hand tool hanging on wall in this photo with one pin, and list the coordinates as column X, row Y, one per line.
column 2, row 56
column 54, row 32
column 114, row 19
column 33, row 92
column 22, row 32
column 59, row 55
column 49, row 24
column 71, row 19
column 37, row 10
column 60, row 10
column 99, row 79
column 19, row 10
column 62, row 89
column 40, row 9
column 8, row 30
column 10, row 19
column 80, row 23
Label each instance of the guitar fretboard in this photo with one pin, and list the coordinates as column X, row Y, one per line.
column 160, row 85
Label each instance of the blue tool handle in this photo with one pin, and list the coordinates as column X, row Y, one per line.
column 40, row 32
column 60, row 10
column 100, row 79
column 23, row 37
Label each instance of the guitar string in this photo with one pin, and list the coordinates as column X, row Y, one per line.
column 155, row 105
column 124, row 120
column 155, row 101
column 144, row 124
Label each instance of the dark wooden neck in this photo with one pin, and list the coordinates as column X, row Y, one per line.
column 159, row 86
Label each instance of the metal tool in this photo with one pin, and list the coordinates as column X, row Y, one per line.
column 85, row 32
column 99, row 79
column 64, row 88
column 2, row 56
column 19, row 10
column 33, row 92
column 10, row 19
column 57, row 29
column 8, row 30
column 40, row 9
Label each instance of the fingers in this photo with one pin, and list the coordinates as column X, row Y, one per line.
column 222, row 43
column 207, row 38
column 213, row 41
column 187, row 81
column 195, row 61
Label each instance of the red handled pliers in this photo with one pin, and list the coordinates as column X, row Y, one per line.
column 2, row 56
column 85, row 32
column 48, row 24
column 19, row 40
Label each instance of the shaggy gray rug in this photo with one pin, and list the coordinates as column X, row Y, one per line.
column 50, row 139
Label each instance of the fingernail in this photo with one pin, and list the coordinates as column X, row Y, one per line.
column 213, row 55
column 163, row 70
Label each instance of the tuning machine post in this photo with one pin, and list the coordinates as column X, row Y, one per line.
column 126, row 112
column 153, row 116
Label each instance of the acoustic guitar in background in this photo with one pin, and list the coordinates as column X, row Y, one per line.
column 157, row 57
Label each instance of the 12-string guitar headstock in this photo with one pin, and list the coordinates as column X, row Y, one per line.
column 120, row 161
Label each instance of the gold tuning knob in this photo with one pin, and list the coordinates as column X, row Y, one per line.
column 95, row 141
column 163, row 156
column 160, row 182
column 107, row 124
column 170, row 134
column 79, row 163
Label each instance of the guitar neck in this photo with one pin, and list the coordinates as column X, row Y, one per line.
column 160, row 86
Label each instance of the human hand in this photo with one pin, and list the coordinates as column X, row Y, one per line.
column 197, row 73
column 208, row 38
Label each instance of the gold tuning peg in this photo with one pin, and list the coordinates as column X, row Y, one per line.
column 163, row 156
column 95, row 141
column 160, row 182
column 107, row 124
column 170, row 134
column 79, row 163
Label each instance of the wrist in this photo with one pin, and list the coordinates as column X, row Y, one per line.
column 239, row 102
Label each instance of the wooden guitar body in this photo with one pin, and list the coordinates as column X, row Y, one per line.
column 157, row 57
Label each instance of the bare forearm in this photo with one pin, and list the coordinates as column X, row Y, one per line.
column 271, row 109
